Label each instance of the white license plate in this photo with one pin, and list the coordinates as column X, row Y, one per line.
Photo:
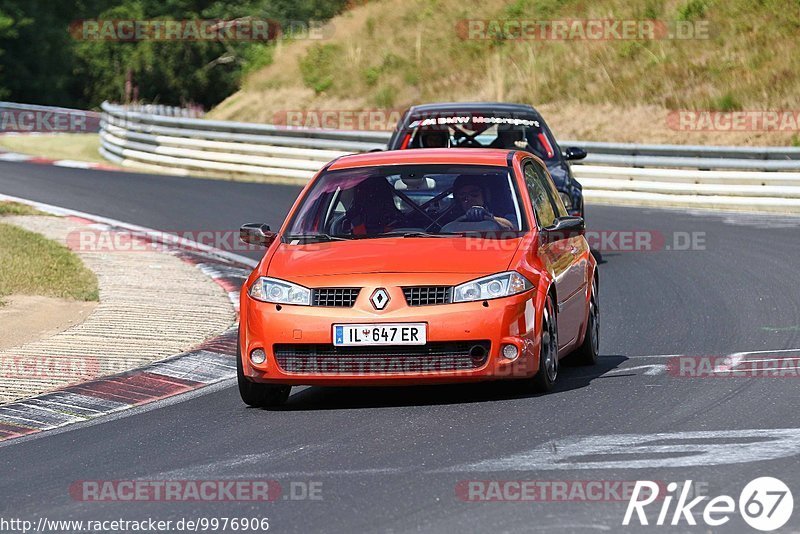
column 349, row 335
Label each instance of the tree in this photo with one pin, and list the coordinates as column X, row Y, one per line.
column 42, row 62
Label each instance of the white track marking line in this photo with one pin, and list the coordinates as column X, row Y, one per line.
column 753, row 373
column 653, row 356
column 747, row 353
column 73, row 164
column 731, row 361
column 11, row 156
column 772, row 360
column 769, row 351
column 729, row 365
column 652, row 370
column 687, row 449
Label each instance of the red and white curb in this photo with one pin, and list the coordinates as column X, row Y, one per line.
column 211, row 362
column 73, row 164
column 81, row 402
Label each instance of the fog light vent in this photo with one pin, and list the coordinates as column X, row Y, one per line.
column 258, row 356
column 510, row 352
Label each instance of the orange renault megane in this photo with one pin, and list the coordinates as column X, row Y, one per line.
column 419, row 266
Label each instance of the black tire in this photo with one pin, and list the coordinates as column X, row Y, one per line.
column 255, row 394
column 545, row 378
column 587, row 353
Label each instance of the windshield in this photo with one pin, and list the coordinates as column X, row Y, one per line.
column 411, row 200
column 480, row 131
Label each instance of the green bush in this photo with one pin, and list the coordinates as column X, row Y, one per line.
column 693, row 10
column 653, row 9
column 411, row 77
column 319, row 65
column 385, row 97
column 371, row 75
column 726, row 102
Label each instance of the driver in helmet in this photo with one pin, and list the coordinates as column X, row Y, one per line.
column 471, row 197
column 434, row 139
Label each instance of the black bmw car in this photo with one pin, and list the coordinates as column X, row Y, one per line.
column 491, row 125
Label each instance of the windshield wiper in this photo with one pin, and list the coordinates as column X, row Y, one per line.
column 322, row 237
column 417, row 234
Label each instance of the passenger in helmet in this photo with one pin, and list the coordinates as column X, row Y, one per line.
column 373, row 210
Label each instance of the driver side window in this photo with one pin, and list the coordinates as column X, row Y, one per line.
column 543, row 206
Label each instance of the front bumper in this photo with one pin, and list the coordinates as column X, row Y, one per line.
column 509, row 320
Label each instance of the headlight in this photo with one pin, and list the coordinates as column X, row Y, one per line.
column 280, row 292
column 491, row 287
column 565, row 198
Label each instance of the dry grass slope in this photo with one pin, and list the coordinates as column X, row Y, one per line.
column 390, row 55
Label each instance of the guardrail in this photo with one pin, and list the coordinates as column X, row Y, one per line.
column 167, row 111
column 693, row 151
column 618, row 173
column 30, row 118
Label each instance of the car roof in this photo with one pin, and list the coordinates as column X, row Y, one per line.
column 473, row 107
column 423, row 156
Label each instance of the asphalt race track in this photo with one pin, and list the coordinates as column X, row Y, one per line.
column 397, row 459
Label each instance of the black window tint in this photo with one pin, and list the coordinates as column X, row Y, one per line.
column 543, row 206
column 558, row 205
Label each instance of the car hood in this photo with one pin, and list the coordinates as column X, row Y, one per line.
column 394, row 255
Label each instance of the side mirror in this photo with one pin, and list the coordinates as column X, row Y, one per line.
column 564, row 228
column 574, row 153
column 257, row 234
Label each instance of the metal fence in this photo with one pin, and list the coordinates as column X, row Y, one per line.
column 28, row 118
column 677, row 175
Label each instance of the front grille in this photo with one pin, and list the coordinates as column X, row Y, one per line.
column 339, row 297
column 427, row 295
column 430, row 358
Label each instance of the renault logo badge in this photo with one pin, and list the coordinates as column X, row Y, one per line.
column 380, row 298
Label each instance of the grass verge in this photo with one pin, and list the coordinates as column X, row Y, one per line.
column 79, row 147
column 35, row 265
column 15, row 208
